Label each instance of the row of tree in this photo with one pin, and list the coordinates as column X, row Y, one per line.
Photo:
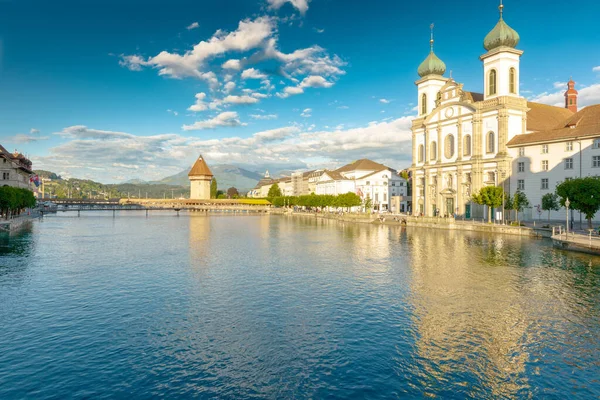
column 494, row 197
column 583, row 195
column 321, row 201
column 14, row 200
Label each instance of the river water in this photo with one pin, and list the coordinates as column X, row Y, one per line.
column 280, row 307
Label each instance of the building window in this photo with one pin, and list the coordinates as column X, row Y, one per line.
column 433, row 154
column 596, row 161
column 521, row 184
column 596, row 144
column 491, row 177
column 6, row 176
column 544, row 183
column 568, row 163
column 368, row 183
column 467, row 149
column 570, row 102
column 569, row 146
column 449, row 146
column 544, row 149
column 424, row 104
column 521, row 167
column 393, row 183
column 512, row 80
column 490, row 142
column 544, row 165
column 421, row 152
column 492, row 83
column 521, row 151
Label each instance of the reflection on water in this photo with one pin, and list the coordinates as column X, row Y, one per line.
column 259, row 306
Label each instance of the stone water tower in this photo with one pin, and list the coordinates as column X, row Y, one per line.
column 200, row 178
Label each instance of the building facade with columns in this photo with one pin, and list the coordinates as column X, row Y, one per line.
column 463, row 141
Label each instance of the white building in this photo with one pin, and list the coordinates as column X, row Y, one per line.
column 463, row 141
column 15, row 169
column 367, row 179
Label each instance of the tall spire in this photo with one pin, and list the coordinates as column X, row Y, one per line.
column 501, row 35
column 432, row 64
column 431, row 40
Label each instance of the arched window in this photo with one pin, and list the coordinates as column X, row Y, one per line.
column 467, row 146
column 512, row 81
column 492, row 83
column 433, row 154
column 424, row 104
column 570, row 102
column 491, row 145
column 449, row 146
column 421, row 151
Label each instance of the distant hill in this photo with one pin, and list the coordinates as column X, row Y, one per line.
column 226, row 175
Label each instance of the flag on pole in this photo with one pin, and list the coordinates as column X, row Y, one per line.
column 35, row 180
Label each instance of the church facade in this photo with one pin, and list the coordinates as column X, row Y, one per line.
column 463, row 141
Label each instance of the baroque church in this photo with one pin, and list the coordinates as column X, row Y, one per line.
column 463, row 141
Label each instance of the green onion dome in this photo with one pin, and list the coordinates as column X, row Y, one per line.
column 501, row 35
column 431, row 66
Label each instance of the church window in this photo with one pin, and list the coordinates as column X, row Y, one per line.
column 424, row 104
column 512, row 79
column 449, row 146
column 433, row 154
column 492, row 83
column 467, row 149
column 491, row 177
column 491, row 145
column 570, row 102
column 421, row 151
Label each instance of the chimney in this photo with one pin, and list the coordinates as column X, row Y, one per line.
column 571, row 96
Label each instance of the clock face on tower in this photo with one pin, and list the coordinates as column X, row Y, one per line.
column 449, row 112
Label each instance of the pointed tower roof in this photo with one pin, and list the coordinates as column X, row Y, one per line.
column 200, row 168
column 501, row 35
column 432, row 64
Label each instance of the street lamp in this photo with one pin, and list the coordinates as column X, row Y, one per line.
column 567, row 203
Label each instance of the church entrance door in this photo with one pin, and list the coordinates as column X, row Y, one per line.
column 449, row 206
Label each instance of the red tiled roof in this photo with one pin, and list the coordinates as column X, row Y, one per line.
column 542, row 117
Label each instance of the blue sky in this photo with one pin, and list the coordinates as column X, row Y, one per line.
column 115, row 90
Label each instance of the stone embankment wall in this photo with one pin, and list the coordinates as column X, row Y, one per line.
column 433, row 222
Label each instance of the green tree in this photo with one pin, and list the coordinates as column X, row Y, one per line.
column 233, row 193
column 213, row 188
column 519, row 202
column 274, row 191
column 550, row 203
column 490, row 196
column 583, row 194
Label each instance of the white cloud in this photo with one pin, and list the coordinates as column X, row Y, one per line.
column 193, row 25
column 232, row 64
column 34, row 131
column 240, row 100
column 290, row 91
column 318, row 30
column 588, row 95
column 315, row 81
column 229, row 86
column 596, row 69
column 20, row 138
column 300, row 5
column 91, row 153
column 228, row 118
column 306, row 113
column 252, row 73
column 385, row 101
column 200, row 105
column 343, row 107
column 263, row 117
column 250, row 34
column 175, row 113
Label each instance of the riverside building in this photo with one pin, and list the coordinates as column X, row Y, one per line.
column 463, row 141
column 15, row 169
